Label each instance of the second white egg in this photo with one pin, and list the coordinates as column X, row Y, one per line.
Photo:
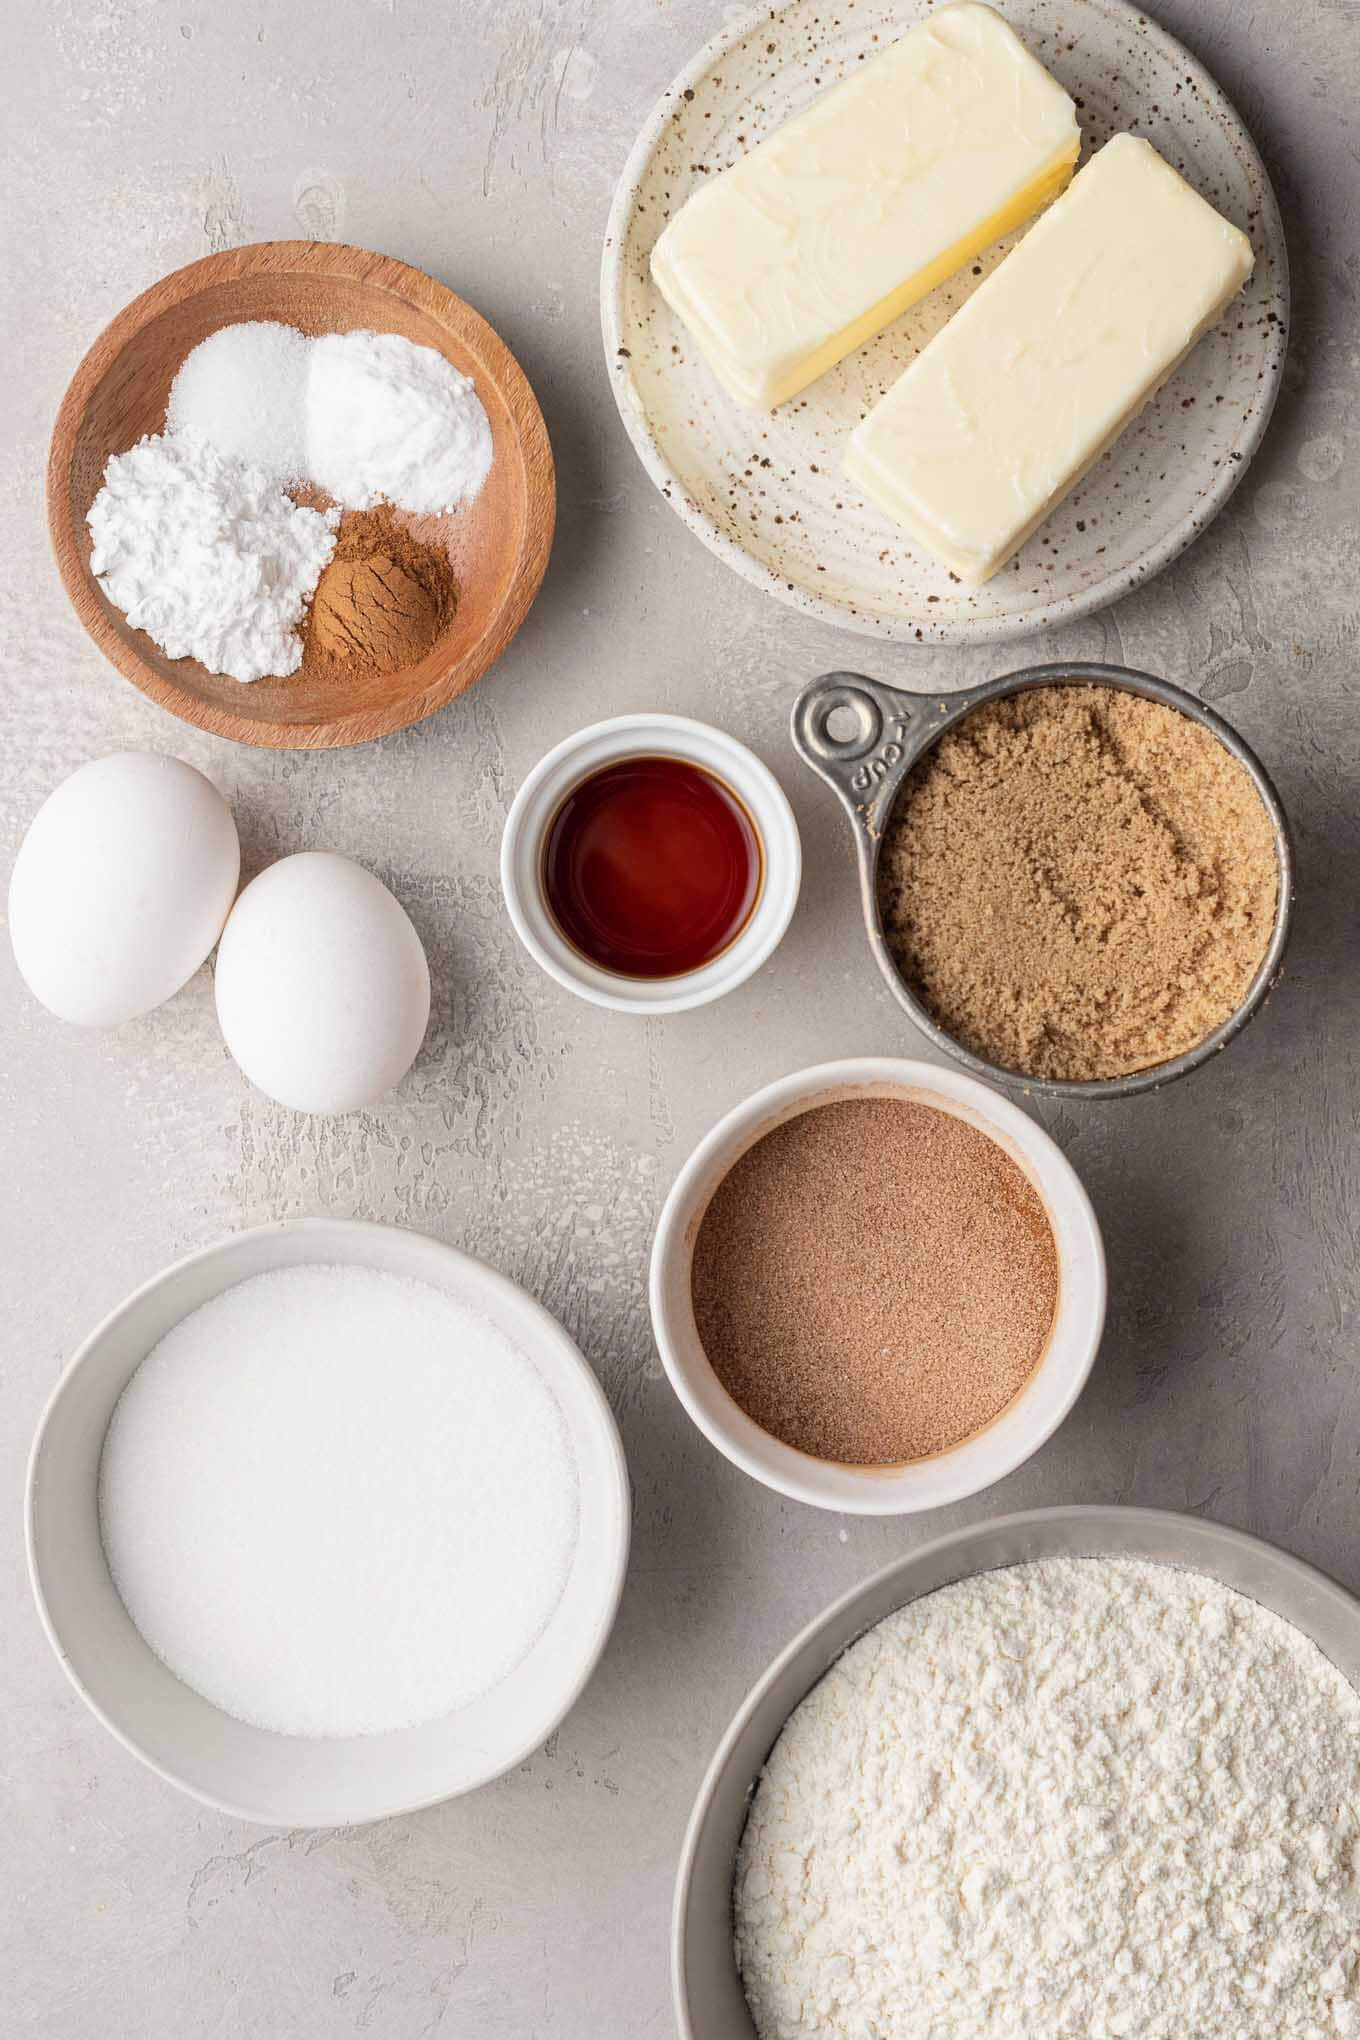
column 323, row 991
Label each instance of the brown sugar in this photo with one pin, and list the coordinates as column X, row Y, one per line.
column 1078, row 882
column 383, row 598
column 874, row 1281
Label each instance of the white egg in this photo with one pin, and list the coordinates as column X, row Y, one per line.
column 323, row 992
column 121, row 887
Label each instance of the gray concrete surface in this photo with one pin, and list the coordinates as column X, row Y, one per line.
column 481, row 141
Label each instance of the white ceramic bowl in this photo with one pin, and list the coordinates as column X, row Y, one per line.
column 633, row 736
column 1021, row 1429
column 293, row 1781
column 709, row 2004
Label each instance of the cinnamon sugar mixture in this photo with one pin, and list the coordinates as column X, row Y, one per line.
column 1078, row 882
column 874, row 1281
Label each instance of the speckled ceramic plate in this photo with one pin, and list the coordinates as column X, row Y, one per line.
column 764, row 490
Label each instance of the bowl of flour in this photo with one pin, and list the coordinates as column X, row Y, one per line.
column 1082, row 1773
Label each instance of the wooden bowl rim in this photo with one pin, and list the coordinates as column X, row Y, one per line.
column 532, row 448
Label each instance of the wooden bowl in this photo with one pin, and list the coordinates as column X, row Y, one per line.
column 497, row 545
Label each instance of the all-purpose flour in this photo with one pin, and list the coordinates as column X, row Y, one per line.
column 1085, row 1799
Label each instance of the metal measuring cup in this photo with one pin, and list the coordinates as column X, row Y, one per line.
column 889, row 730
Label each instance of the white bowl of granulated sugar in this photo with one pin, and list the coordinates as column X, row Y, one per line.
column 328, row 1522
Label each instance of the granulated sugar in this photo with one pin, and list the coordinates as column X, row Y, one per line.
column 336, row 1502
column 1085, row 1799
column 874, row 1281
column 244, row 390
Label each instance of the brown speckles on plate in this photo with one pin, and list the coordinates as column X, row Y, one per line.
column 830, row 554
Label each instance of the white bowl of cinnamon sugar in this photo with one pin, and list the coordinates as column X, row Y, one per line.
column 877, row 1286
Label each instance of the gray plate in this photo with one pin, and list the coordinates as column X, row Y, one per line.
column 709, row 2003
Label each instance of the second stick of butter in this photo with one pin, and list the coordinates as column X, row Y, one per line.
column 877, row 192
column 1019, row 395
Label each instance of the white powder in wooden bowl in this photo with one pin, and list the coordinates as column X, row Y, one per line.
column 193, row 535
column 390, row 421
column 244, row 390
column 1085, row 1799
column 209, row 557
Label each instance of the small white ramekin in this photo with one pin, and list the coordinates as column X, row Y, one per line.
column 1019, row 1431
column 649, row 736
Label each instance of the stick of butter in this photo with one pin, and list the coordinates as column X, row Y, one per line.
column 872, row 196
column 1038, row 374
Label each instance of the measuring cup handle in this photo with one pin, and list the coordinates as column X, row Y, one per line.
column 866, row 762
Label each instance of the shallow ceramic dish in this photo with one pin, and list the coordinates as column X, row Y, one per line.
column 298, row 1781
column 709, row 2003
column 765, row 490
column 863, row 738
column 497, row 545
column 1020, row 1429
column 633, row 736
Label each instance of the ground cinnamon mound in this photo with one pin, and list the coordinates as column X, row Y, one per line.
column 383, row 599
column 874, row 1281
column 1078, row 882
